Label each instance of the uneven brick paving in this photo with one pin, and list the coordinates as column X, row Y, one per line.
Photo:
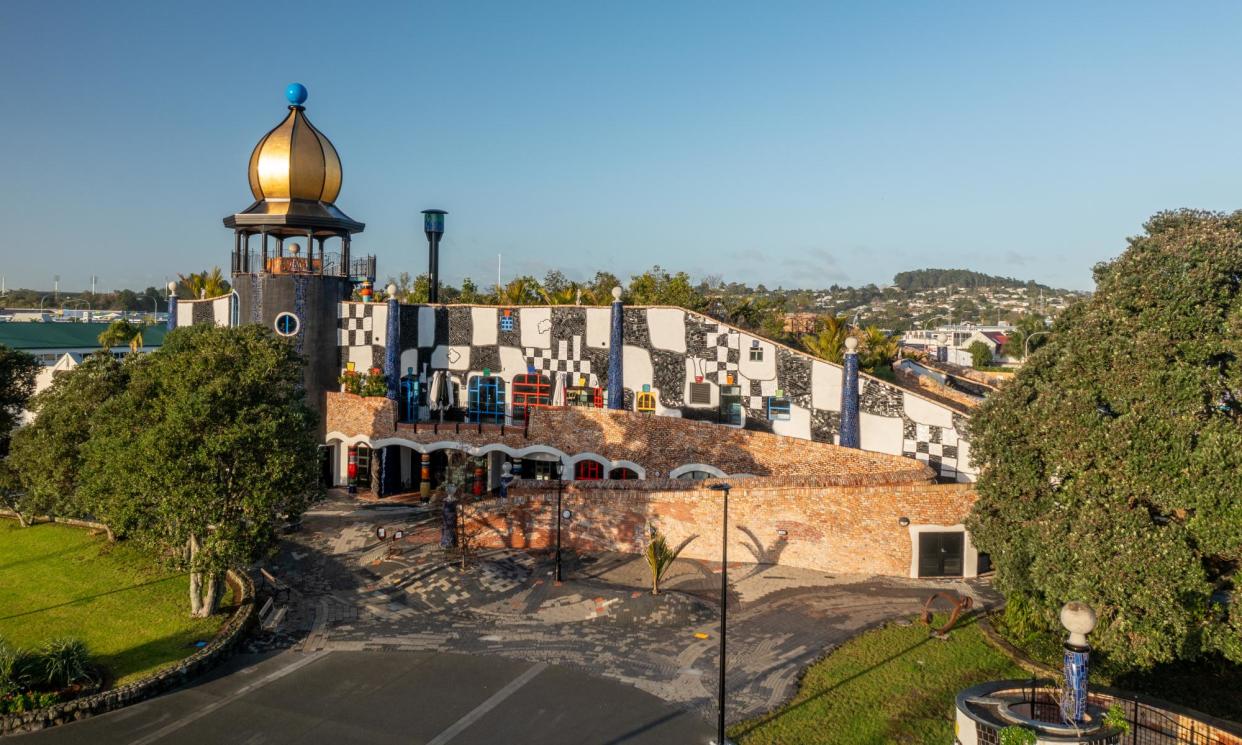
column 349, row 592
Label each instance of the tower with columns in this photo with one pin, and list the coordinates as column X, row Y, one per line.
column 292, row 260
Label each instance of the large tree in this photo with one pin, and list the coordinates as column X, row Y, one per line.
column 208, row 452
column 1111, row 466
column 17, row 383
column 47, row 454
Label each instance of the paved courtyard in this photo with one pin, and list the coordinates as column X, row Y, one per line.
column 350, row 592
column 395, row 641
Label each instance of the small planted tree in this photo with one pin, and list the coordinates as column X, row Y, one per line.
column 659, row 558
column 980, row 354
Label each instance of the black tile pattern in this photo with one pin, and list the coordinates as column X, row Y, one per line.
column 669, row 370
column 460, row 326
column 794, row 373
column 825, row 424
column 568, row 322
column 635, row 328
column 880, row 399
column 200, row 313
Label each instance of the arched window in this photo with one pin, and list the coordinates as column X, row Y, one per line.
column 645, row 403
column 530, row 390
column 622, row 474
column 588, row 470
column 695, row 476
column 485, row 399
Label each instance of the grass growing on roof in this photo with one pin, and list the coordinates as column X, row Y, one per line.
column 58, row 580
column 893, row 684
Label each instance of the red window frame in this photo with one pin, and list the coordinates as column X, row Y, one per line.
column 529, row 391
column 588, row 470
column 621, row 473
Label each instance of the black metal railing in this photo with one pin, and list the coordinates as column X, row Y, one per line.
column 1149, row 725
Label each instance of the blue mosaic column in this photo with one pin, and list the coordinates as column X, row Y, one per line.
column 390, row 462
column 1078, row 619
column 616, row 342
column 850, row 431
column 1077, row 665
column 172, row 305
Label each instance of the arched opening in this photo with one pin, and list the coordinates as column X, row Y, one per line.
column 645, row 403
column 622, row 474
column 588, row 470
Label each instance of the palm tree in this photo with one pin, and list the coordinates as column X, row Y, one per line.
column 829, row 342
column 879, row 349
column 659, row 558
column 204, row 284
column 568, row 295
column 520, row 291
column 121, row 332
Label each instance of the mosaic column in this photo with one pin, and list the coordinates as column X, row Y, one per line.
column 616, row 340
column 1078, row 619
column 172, row 305
column 850, row 431
column 353, row 469
column 390, row 463
column 424, row 476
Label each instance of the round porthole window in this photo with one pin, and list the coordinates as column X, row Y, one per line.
column 287, row 324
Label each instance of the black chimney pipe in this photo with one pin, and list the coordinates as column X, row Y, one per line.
column 433, row 227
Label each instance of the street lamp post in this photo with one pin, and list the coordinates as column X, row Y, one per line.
column 724, row 604
column 433, row 227
column 560, row 469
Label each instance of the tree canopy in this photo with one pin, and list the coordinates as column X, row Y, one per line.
column 17, row 382
column 1111, row 466
column 206, row 452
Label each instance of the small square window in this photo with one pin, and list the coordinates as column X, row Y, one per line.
column 701, row 393
column 506, row 322
column 778, row 409
column 756, row 354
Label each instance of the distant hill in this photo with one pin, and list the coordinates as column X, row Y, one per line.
column 930, row 279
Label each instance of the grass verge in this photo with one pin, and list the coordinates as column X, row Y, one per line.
column 893, row 684
column 57, row 580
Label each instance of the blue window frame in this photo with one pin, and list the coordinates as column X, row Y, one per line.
column 411, row 396
column 506, row 320
column 485, row 399
column 778, row 409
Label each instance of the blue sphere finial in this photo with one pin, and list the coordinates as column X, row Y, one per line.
column 296, row 93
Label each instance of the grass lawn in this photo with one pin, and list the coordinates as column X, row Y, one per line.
column 58, row 580
column 894, row 684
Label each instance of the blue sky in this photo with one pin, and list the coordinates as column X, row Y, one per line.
column 795, row 144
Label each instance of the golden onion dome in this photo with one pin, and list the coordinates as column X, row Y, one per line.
column 294, row 160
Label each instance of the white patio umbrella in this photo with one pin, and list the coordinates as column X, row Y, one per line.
column 434, row 390
column 558, row 391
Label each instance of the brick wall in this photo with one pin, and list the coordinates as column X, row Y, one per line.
column 833, row 529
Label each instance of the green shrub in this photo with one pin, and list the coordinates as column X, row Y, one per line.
column 28, row 701
column 1017, row 736
column 18, row 669
column 63, row 662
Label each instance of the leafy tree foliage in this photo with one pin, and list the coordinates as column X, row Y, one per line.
column 927, row 279
column 980, row 354
column 17, row 383
column 1111, row 467
column 122, row 333
column 207, row 452
column 47, row 454
column 203, row 284
column 657, row 287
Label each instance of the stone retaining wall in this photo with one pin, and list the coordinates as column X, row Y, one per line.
column 164, row 680
column 833, row 529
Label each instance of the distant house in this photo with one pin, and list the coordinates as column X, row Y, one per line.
column 800, row 323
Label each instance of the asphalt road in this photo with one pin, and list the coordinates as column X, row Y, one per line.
column 414, row 698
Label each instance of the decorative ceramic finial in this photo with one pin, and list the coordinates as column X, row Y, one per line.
column 391, row 289
column 616, row 293
column 295, row 249
column 1078, row 619
column 296, row 94
column 851, row 345
column 172, row 288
